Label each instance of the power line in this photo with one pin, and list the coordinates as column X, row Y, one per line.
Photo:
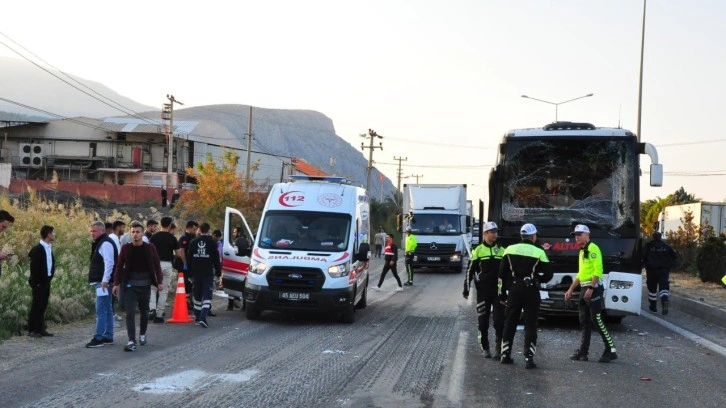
column 125, row 110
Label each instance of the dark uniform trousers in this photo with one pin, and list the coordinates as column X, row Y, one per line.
column 522, row 295
column 487, row 304
column 591, row 315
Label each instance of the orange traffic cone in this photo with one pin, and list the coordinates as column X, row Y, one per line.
column 181, row 313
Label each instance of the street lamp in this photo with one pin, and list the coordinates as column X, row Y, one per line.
column 557, row 103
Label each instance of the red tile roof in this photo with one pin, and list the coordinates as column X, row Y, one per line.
column 305, row 168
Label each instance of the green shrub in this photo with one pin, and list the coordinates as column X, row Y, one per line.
column 711, row 260
column 71, row 298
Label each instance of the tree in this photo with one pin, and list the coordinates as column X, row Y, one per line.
column 651, row 209
column 711, row 260
column 218, row 187
column 688, row 239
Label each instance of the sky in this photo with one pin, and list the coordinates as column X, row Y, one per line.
column 440, row 81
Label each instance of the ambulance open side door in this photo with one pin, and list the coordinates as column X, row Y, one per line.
column 623, row 292
column 234, row 266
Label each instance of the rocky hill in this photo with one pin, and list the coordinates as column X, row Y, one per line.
column 303, row 134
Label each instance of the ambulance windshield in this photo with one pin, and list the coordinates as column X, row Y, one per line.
column 305, row 231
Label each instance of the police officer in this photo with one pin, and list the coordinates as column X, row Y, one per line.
column 411, row 245
column 484, row 270
column 589, row 277
column 524, row 266
column 658, row 258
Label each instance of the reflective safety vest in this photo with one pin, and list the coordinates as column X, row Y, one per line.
column 590, row 264
column 411, row 243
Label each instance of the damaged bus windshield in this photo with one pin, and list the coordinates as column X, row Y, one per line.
column 553, row 182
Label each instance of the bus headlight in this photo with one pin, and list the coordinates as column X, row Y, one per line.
column 257, row 267
column 617, row 284
column 336, row 271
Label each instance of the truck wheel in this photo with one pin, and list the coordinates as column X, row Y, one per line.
column 348, row 315
column 252, row 313
column 363, row 302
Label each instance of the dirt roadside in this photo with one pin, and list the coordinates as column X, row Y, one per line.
column 685, row 285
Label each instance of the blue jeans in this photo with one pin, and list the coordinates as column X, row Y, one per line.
column 104, row 315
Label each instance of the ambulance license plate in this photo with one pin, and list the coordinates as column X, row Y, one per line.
column 294, row 296
column 433, row 258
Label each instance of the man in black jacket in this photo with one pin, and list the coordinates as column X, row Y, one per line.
column 137, row 269
column 203, row 264
column 42, row 269
column 523, row 267
column 658, row 259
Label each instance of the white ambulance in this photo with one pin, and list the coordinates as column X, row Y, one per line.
column 312, row 249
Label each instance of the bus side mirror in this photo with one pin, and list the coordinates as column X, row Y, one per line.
column 656, row 175
column 363, row 252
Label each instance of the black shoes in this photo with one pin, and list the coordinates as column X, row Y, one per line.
column 665, row 307
column 211, row 314
column 152, row 314
column 94, row 343
column 158, row 320
column 34, row 334
column 529, row 363
column 506, row 359
column 578, row 356
column 608, row 356
column 106, row 341
column 487, row 354
column 203, row 323
column 653, row 308
column 497, row 355
column 131, row 346
column 409, row 283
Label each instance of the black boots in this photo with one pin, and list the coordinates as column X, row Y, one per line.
column 652, row 307
column 665, row 307
column 579, row 356
column 608, row 356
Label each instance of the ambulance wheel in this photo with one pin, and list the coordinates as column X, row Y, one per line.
column 348, row 315
column 363, row 302
column 252, row 312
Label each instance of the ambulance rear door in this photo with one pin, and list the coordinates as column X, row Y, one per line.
column 234, row 266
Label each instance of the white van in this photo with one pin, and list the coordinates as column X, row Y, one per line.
column 312, row 249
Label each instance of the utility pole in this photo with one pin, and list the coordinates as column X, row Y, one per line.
column 640, row 77
column 415, row 175
column 332, row 165
column 168, row 114
column 372, row 135
column 249, row 148
column 400, row 171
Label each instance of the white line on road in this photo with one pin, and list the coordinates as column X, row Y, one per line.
column 685, row 333
column 456, row 383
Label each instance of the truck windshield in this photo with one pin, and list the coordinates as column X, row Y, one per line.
column 305, row 230
column 435, row 224
column 562, row 182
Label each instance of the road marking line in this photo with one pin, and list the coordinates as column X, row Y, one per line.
column 456, row 383
column 687, row 334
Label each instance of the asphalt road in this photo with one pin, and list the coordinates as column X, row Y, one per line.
column 416, row 348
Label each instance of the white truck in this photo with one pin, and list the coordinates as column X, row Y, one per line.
column 438, row 217
column 311, row 250
column 704, row 213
